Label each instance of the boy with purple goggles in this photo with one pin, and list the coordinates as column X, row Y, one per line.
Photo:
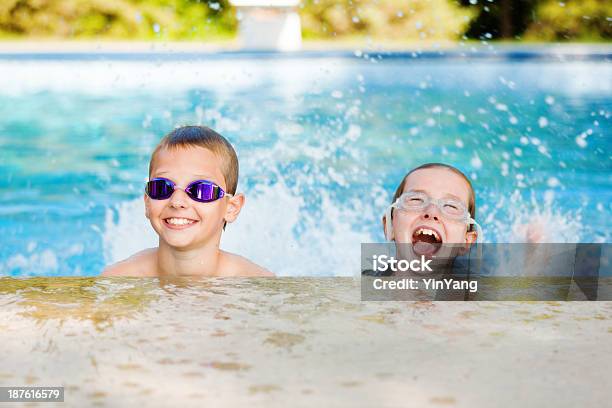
column 189, row 198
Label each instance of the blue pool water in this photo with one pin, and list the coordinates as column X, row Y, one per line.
column 322, row 140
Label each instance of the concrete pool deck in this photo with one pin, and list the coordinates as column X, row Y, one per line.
column 296, row 342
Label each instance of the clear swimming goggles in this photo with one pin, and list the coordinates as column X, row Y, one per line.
column 416, row 201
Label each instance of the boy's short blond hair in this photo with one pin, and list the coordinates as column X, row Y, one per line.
column 202, row 136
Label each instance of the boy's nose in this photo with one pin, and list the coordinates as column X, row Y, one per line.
column 431, row 212
column 178, row 199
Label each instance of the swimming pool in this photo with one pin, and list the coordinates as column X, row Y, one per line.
column 323, row 139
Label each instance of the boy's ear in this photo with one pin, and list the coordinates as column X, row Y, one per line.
column 388, row 234
column 470, row 238
column 234, row 205
column 146, row 204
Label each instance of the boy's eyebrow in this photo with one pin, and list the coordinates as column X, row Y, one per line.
column 446, row 195
column 196, row 175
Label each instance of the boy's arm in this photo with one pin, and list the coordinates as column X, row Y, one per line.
column 248, row 268
column 236, row 265
column 117, row 269
column 260, row 271
column 136, row 265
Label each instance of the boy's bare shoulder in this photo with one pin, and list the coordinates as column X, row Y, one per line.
column 142, row 264
column 236, row 265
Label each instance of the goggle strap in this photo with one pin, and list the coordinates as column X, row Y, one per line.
column 389, row 223
column 479, row 233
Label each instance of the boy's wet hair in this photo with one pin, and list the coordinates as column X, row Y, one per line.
column 202, row 136
column 471, row 199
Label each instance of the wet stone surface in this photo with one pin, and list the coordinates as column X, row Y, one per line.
column 310, row 341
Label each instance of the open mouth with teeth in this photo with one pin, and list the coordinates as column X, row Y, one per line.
column 178, row 222
column 426, row 241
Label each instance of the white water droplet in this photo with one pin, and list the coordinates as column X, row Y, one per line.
column 505, row 169
column 476, row 162
column 553, row 182
column 501, row 107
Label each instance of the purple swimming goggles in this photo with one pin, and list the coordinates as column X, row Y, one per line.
column 202, row 191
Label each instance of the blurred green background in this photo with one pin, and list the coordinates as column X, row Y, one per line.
column 392, row 20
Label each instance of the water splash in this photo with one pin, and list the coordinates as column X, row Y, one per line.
column 515, row 219
column 126, row 231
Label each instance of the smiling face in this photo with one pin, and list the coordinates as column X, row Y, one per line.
column 430, row 225
column 180, row 221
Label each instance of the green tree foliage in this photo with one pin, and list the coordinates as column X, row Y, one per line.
column 499, row 18
column 136, row 19
column 544, row 20
column 571, row 20
column 541, row 20
column 389, row 19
